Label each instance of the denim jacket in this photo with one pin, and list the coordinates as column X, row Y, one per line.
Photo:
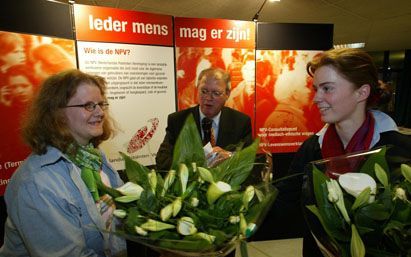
column 52, row 213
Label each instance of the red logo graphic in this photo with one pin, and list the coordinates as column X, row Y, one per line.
column 142, row 136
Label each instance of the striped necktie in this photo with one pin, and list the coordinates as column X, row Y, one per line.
column 206, row 125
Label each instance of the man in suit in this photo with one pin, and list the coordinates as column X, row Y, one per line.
column 229, row 127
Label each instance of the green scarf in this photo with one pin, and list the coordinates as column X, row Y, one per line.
column 89, row 160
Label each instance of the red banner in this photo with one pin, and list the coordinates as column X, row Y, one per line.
column 121, row 26
column 285, row 112
column 196, row 32
column 26, row 61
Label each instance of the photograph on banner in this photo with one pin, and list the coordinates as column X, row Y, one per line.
column 140, row 92
column 239, row 63
column 25, row 61
column 285, row 112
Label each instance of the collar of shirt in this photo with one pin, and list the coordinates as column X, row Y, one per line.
column 215, row 124
column 383, row 123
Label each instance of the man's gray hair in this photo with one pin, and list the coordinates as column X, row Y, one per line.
column 217, row 74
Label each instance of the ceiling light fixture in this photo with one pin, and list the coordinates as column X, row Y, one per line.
column 352, row 45
column 255, row 18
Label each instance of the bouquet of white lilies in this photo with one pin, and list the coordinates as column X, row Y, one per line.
column 192, row 209
column 366, row 212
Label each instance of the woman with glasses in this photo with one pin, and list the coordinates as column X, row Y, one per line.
column 55, row 200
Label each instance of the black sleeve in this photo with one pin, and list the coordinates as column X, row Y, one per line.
column 247, row 136
column 164, row 157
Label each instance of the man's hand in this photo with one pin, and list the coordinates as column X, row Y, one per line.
column 217, row 156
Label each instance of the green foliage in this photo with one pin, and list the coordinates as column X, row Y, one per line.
column 212, row 221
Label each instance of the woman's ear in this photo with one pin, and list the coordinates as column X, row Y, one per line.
column 363, row 92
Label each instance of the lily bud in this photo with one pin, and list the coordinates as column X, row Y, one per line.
column 357, row 247
column 119, row 213
column 177, row 203
column 400, row 194
column 248, row 195
column 209, row 238
column 205, row 174
column 166, row 212
column 154, row 225
column 194, row 166
column 168, row 181
column 194, row 201
column 355, row 183
column 381, row 175
column 152, row 179
column 185, row 226
column 243, row 225
column 332, row 193
column 131, row 188
column 234, row 219
column 215, row 190
column 406, row 172
column 335, row 195
column 140, row 231
column 183, row 172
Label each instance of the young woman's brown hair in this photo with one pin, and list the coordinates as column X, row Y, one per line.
column 353, row 64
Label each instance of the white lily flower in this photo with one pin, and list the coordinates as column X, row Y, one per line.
column 131, row 189
column 355, row 183
column 185, row 226
column 215, row 190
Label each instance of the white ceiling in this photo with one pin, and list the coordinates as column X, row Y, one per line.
column 381, row 24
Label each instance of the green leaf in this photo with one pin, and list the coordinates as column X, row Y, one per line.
column 375, row 211
column 381, row 175
column 362, row 198
column 188, row 147
column 236, row 169
column 332, row 219
column 133, row 219
column 136, row 172
column 378, row 157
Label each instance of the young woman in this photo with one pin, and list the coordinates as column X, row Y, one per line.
column 347, row 88
column 54, row 208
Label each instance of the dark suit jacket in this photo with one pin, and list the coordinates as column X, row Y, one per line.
column 234, row 127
